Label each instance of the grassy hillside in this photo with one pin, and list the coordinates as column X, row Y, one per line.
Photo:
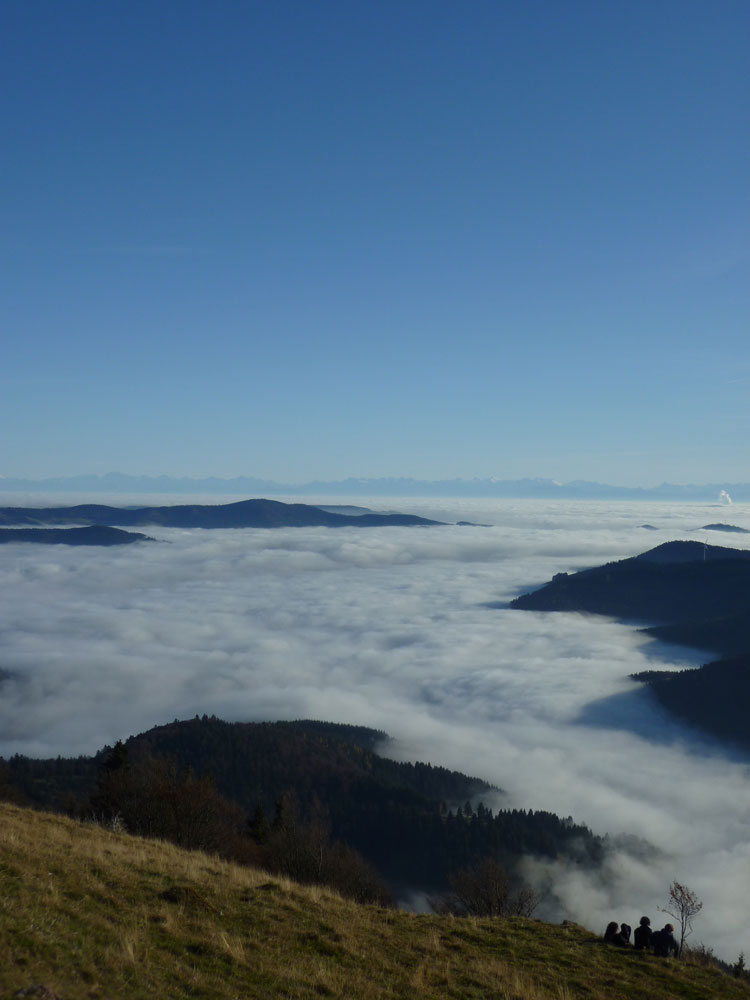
column 92, row 914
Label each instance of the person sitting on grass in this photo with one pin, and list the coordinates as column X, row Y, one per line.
column 615, row 934
column 664, row 942
column 612, row 933
column 643, row 935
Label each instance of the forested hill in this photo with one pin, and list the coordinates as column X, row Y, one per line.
column 243, row 514
column 677, row 582
column 92, row 535
column 416, row 823
column 693, row 594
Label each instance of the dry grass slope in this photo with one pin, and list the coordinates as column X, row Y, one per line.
column 93, row 914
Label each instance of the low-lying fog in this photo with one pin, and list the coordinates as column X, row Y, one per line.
column 402, row 629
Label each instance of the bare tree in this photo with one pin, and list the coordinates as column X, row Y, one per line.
column 683, row 905
column 485, row 890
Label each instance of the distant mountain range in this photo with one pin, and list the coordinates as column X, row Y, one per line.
column 115, row 482
column 244, row 514
column 693, row 594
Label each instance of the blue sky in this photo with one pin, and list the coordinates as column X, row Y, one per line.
column 308, row 239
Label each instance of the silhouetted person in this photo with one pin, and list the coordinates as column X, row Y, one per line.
column 612, row 933
column 617, row 934
column 643, row 935
column 664, row 943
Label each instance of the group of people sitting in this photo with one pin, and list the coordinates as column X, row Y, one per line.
column 661, row 942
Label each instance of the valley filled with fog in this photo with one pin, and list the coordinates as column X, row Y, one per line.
column 405, row 630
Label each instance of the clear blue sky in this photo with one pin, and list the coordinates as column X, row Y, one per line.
column 317, row 239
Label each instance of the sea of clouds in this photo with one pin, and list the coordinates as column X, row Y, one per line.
column 406, row 630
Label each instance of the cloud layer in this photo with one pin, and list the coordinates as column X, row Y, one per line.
column 405, row 630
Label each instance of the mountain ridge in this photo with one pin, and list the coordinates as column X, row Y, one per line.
column 255, row 513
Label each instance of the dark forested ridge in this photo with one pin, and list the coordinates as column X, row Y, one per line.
column 715, row 697
column 728, row 636
column 91, row 535
column 677, row 582
column 695, row 595
column 243, row 514
column 414, row 822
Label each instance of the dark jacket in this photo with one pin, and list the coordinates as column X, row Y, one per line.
column 664, row 943
column 642, row 937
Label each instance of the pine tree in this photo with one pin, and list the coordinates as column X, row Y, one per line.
column 259, row 828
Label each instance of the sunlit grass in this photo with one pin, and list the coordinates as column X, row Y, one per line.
column 94, row 914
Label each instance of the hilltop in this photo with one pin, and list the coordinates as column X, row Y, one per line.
column 676, row 582
column 90, row 913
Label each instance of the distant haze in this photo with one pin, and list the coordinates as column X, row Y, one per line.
column 403, row 629
column 240, row 487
